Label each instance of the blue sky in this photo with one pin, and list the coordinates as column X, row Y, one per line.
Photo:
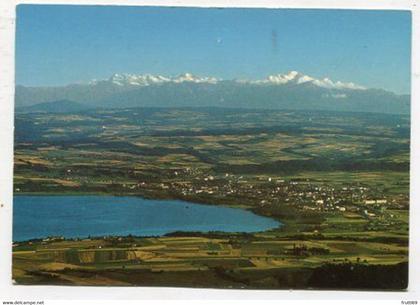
column 58, row 45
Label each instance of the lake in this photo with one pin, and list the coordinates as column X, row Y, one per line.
column 83, row 216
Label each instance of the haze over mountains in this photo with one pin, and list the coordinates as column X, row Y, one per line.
column 293, row 91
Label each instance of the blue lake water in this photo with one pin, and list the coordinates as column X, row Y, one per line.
column 82, row 216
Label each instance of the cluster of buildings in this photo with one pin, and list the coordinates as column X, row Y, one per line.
column 304, row 194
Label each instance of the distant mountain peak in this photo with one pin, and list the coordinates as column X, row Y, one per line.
column 188, row 77
column 136, row 80
column 127, row 79
column 297, row 78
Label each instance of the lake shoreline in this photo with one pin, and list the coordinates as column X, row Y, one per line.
column 290, row 221
column 252, row 209
column 204, row 220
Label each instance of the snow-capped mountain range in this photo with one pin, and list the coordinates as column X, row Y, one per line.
column 126, row 79
column 292, row 77
column 299, row 78
column 292, row 90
